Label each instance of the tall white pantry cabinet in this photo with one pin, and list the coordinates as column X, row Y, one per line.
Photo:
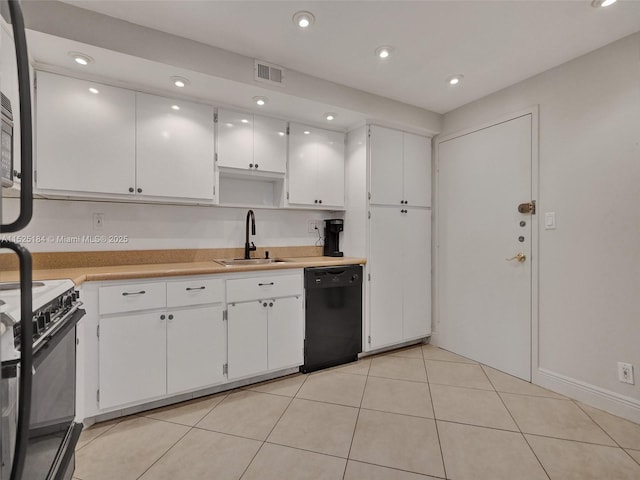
column 388, row 220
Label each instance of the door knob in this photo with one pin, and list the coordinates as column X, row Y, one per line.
column 521, row 257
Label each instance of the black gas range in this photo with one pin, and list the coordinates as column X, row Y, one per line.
column 52, row 432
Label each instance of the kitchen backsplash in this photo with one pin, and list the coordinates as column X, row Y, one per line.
column 64, row 226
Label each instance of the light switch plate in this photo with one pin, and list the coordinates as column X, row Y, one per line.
column 550, row 220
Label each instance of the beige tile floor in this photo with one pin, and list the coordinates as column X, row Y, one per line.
column 410, row 414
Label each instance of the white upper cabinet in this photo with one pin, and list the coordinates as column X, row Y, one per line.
column 251, row 142
column 174, row 148
column 235, row 139
column 400, row 168
column 386, row 166
column 417, row 170
column 269, row 144
column 316, row 166
column 85, row 141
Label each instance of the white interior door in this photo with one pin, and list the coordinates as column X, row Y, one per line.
column 484, row 301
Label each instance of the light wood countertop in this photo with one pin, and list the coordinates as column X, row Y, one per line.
column 80, row 275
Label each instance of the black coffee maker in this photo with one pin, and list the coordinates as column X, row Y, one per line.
column 332, row 229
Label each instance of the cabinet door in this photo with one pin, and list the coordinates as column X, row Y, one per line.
column 85, row 141
column 132, row 358
column 386, row 166
column 417, row 170
column 196, row 348
column 269, row 144
column 174, row 148
column 387, row 277
column 416, row 268
column 235, row 139
column 285, row 333
column 302, row 165
column 330, row 168
column 247, row 339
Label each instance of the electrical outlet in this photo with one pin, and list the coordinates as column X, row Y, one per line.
column 625, row 372
column 98, row 221
column 313, row 226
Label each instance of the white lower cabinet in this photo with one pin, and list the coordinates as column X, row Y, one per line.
column 400, row 268
column 285, row 336
column 265, row 335
column 265, row 323
column 145, row 341
column 247, row 335
column 178, row 346
column 133, row 360
column 196, row 348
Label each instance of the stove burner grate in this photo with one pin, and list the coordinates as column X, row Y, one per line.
column 16, row 286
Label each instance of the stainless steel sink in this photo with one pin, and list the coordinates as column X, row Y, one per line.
column 249, row 261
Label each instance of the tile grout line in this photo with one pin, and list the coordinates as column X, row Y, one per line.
column 165, row 452
column 176, row 405
column 516, row 424
column 632, row 457
column 563, row 438
column 433, row 409
column 274, row 426
column 108, row 429
column 355, row 427
column 576, row 403
column 576, row 441
column 191, row 427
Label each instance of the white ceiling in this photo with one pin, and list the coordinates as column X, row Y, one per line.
column 493, row 43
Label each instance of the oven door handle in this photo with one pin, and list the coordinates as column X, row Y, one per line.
column 26, row 358
column 26, row 126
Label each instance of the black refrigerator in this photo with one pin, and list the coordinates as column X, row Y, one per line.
column 14, row 435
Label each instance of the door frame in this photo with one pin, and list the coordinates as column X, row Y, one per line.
column 535, row 231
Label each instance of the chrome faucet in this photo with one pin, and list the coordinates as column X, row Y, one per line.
column 248, row 248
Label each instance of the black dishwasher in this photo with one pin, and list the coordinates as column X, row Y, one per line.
column 333, row 316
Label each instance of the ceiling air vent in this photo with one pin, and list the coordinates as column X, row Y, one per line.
column 268, row 72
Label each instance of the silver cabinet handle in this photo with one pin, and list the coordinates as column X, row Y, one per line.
column 195, row 288
column 141, row 292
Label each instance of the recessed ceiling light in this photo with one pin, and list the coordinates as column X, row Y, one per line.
column 303, row 19
column 180, row 81
column 455, row 79
column 602, row 3
column 81, row 58
column 260, row 100
column 384, row 51
column 94, row 90
column 229, row 124
column 306, row 132
column 244, row 120
column 330, row 116
column 281, row 134
column 175, row 107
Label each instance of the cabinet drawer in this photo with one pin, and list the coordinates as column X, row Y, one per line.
column 258, row 288
column 132, row 297
column 194, row 292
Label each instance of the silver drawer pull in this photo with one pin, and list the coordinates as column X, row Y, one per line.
column 195, row 288
column 141, row 292
column 265, row 284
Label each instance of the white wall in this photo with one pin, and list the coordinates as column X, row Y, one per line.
column 590, row 176
column 151, row 227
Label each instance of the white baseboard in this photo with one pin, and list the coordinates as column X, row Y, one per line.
column 621, row 405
